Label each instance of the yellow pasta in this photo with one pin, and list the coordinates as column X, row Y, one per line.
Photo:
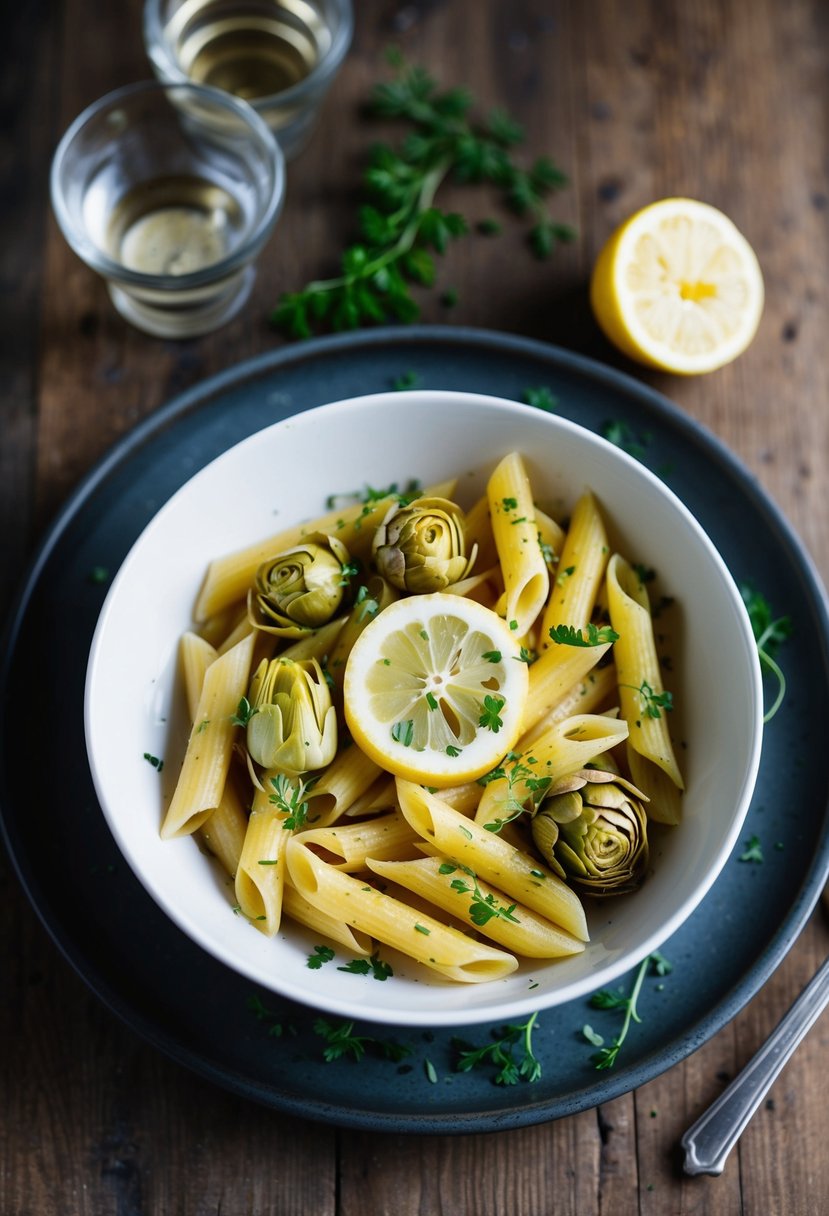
column 348, row 846
column 223, row 833
column 260, row 876
column 304, row 913
column 526, row 577
column 421, row 937
column 563, row 750
column 348, row 776
column 206, row 762
column 514, row 927
column 515, row 873
column 554, row 672
column 579, row 571
column 641, row 693
column 588, row 696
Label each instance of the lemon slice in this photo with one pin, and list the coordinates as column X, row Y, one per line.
column 678, row 287
column 434, row 689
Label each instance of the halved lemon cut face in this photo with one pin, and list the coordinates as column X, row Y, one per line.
column 678, row 287
column 435, row 689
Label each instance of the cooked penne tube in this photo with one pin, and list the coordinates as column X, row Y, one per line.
column 665, row 805
column 589, row 696
column 641, row 693
column 380, row 796
column 299, row 909
column 563, row 750
column 348, row 846
column 444, row 883
column 223, row 833
column 260, row 876
column 347, row 777
column 421, row 937
column 206, row 762
column 579, row 571
column 478, row 531
column 228, row 578
column 512, row 512
column 554, row 672
column 515, row 873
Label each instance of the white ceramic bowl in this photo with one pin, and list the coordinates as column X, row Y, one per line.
column 284, row 474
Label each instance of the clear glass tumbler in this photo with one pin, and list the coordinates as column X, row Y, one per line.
column 279, row 55
column 170, row 192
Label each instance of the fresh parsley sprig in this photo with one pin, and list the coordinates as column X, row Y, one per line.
column 768, row 632
column 482, row 908
column 290, row 799
column 401, row 229
column 511, row 1053
column 606, row 999
column 597, row 635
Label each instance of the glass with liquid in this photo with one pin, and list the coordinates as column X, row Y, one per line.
column 279, row 55
column 170, row 192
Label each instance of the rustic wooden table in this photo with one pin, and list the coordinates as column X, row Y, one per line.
column 723, row 100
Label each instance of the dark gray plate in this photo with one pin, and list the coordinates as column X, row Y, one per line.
column 197, row 1011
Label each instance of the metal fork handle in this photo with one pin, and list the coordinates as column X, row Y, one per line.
column 709, row 1141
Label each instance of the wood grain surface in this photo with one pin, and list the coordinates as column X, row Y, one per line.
column 723, row 100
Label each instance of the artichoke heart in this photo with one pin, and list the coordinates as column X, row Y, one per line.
column 592, row 830
column 299, row 590
column 293, row 727
column 420, row 547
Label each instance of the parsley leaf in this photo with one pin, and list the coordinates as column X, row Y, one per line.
column 401, row 229
column 768, row 632
column 321, row 954
column 511, row 1053
column 597, row 635
column 753, row 851
column 490, row 718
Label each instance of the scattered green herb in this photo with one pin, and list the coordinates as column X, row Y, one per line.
column 652, row 702
column 321, row 954
column 769, row 632
column 98, row 574
column 490, row 718
column 408, row 380
column 452, row 751
column 511, row 1053
column 616, row 1001
column 492, row 656
column 244, row 713
column 753, row 851
column 597, row 635
column 373, row 966
column 624, row 437
column 154, row 761
column 542, row 398
column 401, row 229
column 291, row 800
column 482, row 907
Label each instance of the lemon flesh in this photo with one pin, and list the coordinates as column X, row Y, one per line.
column 678, row 287
column 435, row 688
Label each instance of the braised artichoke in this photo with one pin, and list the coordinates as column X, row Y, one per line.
column 300, row 589
column 293, row 726
column 420, row 547
column 593, row 832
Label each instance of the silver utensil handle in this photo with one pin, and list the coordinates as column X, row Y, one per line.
column 709, row 1141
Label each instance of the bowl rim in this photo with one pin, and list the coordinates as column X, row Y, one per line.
column 532, row 1001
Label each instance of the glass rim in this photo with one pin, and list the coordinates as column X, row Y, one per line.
column 106, row 265
column 165, row 63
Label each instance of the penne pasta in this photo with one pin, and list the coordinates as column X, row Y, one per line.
column 348, row 846
column 260, row 875
column 512, row 512
column 347, row 777
column 554, row 672
column 579, row 571
column 206, row 762
column 516, row 928
column 643, row 700
column 304, row 913
column 515, row 873
column 423, row 938
column 589, row 696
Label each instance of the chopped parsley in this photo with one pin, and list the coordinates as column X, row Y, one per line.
column 597, row 635
column 490, row 718
column 154, row 761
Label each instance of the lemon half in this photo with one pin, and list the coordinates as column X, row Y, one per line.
column 435, row 688
column 678, row 287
